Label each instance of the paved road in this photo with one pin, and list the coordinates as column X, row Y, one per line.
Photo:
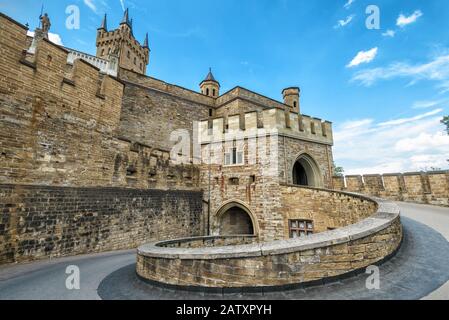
column 436, row 218
column 114, row 272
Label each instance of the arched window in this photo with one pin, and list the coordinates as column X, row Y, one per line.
column 207, row 91
column 213, row 92
column 295, row 104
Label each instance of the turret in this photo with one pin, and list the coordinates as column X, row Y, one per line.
column 291, row 98
column 209, row 86
column 122, row 45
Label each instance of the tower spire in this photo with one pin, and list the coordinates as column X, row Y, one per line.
column 104, row 23
column 125, row 17
column 145, row 42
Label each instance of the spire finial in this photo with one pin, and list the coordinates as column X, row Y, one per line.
column 104, row 23
column 125, row 17
column 145, row 42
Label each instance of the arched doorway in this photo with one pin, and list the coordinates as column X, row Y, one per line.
column 306, row 172
column 235, row 219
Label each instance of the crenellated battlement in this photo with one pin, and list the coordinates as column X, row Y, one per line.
column 79, row 89
column 420, row 187
column 270, row 121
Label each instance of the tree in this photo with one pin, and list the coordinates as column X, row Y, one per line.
column 445, row 121
column 338, row 171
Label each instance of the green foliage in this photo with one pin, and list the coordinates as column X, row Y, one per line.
column 338, row 171
column 445, row 121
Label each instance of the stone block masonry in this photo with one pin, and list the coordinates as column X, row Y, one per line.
column 39, row 222
column 418, row 187
column 281, row 263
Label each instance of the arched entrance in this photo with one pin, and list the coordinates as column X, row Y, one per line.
column 306, row 172
column 235, row 219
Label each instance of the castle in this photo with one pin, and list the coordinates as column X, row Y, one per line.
column 89, row 158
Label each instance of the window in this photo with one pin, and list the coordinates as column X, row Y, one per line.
column 300, row 228
column 135, row 61
column 102, row 52
column 207, row 91
column 211, row 112
column 213, row 92
column 295, row 104
column 252, row 179
column 233, row 157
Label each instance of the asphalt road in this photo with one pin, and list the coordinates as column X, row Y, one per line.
column 438, row 219
column 47, row 279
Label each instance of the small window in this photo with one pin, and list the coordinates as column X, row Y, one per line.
column 207, row 91
column 295, row 104
column 252, row 179
column 211, row 112
column 234, row 181
column 300, row 228
column 233, row 157
column 102, row 52
column 213, row 92
column 135, row 60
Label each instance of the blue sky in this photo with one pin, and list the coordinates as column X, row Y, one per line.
column 385, row 90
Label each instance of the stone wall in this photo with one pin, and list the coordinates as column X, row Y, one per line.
column 60, row 123
column 41, row 222
column 328, row 210
column 153, row 110
column 280, row 263
column 419, row 187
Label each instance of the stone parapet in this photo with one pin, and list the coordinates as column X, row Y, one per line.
column 280, row 263
column 418, row 187
column 269, row 121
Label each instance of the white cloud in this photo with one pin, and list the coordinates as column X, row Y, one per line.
column 424, row 142
column 389, row 33
column 91, row 5
column 427, row 104
column 122, row 3
column 53, row 37
column 348, row 4
column 408, row 144
column 345, row 22
column 435, row 70
column 406, row 120
column 403, row 21
column 363, row 57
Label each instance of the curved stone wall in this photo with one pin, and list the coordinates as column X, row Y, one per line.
column 280, row 263
column 327, row 209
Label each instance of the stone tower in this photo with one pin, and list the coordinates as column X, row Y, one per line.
column 291, row 98
column 121, row 42
column 209, row 86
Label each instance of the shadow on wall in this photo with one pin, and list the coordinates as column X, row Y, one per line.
column 419, row 187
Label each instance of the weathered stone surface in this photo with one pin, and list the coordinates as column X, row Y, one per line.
column 419, row 187
column 41, row 222
column 276, row 263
